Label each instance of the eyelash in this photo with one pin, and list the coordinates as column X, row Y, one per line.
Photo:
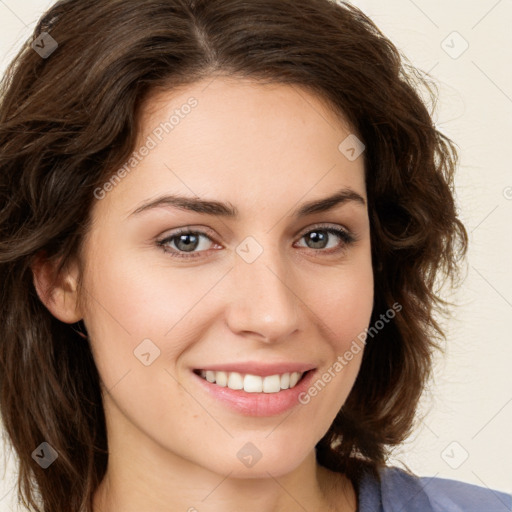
column 347, row 237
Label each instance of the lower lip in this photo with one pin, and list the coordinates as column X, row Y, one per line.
column 258, row 404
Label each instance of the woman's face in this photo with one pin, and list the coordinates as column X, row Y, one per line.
column 261, row 285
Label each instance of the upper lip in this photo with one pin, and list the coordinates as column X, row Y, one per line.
column 262, row 369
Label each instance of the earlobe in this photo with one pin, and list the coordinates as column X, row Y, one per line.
column 59, row 295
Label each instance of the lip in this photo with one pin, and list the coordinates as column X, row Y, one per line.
column 257, row 404
column 261, row 369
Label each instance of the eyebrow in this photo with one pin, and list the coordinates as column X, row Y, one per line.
column 217, row 208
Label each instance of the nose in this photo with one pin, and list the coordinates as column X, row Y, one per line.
column 263, row 302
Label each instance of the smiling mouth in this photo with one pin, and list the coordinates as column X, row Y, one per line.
column 252, row 383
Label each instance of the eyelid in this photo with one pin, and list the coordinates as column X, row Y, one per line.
column 188, row 229
column 324, row 225
column 211, row 233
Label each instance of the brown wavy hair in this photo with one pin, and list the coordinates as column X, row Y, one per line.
column 68, row 120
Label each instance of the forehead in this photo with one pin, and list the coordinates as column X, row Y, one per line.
column 242, row 142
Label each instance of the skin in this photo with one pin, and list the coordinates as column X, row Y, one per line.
column 265, row 149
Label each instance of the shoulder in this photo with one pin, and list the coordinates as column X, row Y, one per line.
column 398, row 490
column 444, row 493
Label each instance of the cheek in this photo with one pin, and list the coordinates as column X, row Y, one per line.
column 132, row 301
column 349, row 314
column 343, row 301
column 343, row 304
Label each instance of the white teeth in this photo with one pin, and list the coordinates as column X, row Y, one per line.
column 252, row 383
column 221, row 379
column 294, row 377
column 272, row 384
column 235, row 381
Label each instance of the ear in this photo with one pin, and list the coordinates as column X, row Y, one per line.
column 59, row 295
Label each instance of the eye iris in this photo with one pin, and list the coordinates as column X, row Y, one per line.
column 318, row 237
column 190, row 246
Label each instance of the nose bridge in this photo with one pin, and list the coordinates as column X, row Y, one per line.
column 263, row 301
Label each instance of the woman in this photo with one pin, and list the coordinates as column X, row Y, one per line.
column 221, row 226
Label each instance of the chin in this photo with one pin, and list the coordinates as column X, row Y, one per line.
column 259, row 457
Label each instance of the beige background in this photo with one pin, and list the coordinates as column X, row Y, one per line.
column 466, row 432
